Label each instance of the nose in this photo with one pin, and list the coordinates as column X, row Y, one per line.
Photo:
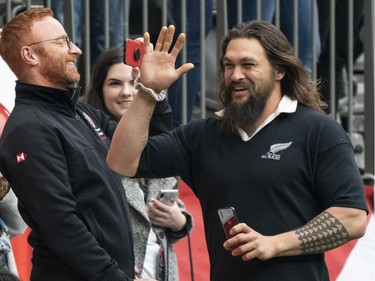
column 237, row 74
column 74, row 49
column 126, row 90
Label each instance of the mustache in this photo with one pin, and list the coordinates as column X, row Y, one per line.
column 242, row 84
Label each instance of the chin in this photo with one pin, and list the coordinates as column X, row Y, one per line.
column 240, row 97
column 240, row 101
column 74, row 77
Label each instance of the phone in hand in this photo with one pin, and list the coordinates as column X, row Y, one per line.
column 168, row 196
column 228, row 219
column 134, row 52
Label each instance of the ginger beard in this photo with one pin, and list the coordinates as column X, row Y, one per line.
column 245, row 114
column 61, row 71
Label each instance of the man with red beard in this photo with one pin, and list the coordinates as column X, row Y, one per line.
column 52, row 152
column 271, row 153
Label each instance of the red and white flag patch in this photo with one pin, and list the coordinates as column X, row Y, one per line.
column 21, row 157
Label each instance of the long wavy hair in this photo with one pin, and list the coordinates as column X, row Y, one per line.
column 296, row 84
column 94, row 93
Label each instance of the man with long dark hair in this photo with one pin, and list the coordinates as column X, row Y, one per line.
column 272, row 154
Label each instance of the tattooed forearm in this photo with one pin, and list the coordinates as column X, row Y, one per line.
column 322, row 234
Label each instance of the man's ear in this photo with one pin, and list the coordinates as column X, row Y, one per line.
column 28, row 55
column 280, row 73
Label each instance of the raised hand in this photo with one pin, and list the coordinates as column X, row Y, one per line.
column 158, row 70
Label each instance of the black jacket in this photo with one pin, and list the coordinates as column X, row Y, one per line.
column 53, row 152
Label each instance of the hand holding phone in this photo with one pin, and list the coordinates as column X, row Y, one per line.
column 134, row 52
column 168, row 196
column 228, row 219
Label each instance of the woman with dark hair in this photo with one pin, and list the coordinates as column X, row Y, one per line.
column 156, row 226
column 95, row 94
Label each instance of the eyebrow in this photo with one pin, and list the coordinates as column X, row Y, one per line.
column 242, row 60
column 113, row 79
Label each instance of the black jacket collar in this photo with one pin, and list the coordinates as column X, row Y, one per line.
column 47, row 96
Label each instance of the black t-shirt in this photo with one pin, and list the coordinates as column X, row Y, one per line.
column 290, row 171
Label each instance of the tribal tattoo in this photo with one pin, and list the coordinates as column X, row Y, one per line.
column 322, row 234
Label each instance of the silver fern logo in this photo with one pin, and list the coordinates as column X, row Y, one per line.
column 272, row 154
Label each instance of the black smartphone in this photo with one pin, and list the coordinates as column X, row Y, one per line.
column 133, row 53
column 228, row 219
column 168, row 196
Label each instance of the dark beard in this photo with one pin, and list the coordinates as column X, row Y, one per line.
column 244, row 115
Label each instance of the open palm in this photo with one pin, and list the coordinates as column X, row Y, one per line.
column 158, row 66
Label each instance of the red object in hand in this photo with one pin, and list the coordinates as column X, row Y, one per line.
column 134, row 53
